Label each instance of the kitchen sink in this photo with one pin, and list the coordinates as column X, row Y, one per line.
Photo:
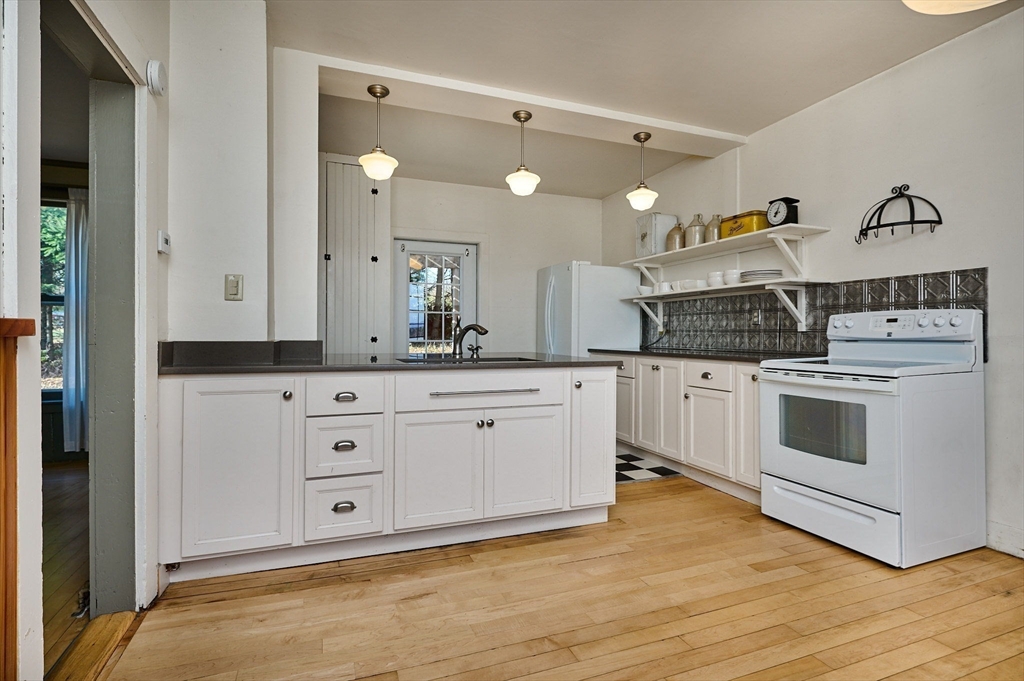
column 462, row 360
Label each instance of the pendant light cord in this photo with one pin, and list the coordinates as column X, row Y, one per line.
column 378, row 123
column 641, row 158
column 522, row 143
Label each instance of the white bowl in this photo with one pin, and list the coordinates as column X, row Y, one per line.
column 677, row 286
column 644, row 290
column 715, row 281
column 702, row 283
column 714, row 275
column 732, row 279
column 733, row 273
column 689, row 284
column 664, row 287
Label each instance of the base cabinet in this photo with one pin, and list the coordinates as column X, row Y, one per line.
column 238, row 464
column 524, row 456
column 625, row 410
column 592, row 456
column 709, row 430
column 748, row 425
column 659, row 409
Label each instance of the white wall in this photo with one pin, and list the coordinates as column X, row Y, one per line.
column 950, row 123
column 517, row 236
column 217, row 184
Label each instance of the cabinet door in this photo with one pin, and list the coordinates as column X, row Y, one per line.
column 748, row 425
column 238, row 453
column 648, row 389
column 670, row 409
column 439, row 463
column 524, row 460
column 624, row 411
column 592, row 454
column 709, row 430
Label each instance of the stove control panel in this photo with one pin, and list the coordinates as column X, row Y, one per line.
column 947, row 325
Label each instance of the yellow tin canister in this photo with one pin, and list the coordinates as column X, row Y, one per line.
column 745, row 223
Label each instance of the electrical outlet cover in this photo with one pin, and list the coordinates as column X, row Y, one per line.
column 233, row 286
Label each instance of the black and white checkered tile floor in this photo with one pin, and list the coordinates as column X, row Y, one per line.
column 630, row 468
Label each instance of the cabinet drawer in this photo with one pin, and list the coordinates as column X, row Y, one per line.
column 627, row 364
column 344, row 507
column 344, row 445
column 344, row 394
column 476, row 389
column 713, row 375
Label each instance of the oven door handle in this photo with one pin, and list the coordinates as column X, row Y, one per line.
column 879, row 385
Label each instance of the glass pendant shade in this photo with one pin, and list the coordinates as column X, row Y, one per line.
column 642, row 198
column 522, row 182
column 948, row 6
column 377, row 165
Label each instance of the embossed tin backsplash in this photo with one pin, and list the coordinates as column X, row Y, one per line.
column 729, row 323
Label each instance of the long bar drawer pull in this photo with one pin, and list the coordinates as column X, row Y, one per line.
column 707, row 376
column 344, row 446
column 346, row 396
column 449, row 393
column 344, row 507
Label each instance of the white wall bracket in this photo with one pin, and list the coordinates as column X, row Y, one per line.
column 796, row 260
column 647, row 273
column 656, row 316
column 799, row 310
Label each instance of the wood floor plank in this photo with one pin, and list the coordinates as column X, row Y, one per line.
column 797, row 670
column 968, row 660
column 1007, row 670
column 889, row 663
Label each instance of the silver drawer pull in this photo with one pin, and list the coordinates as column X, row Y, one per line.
column 346, row 396
column 344, row 507
column 344, row 446
column 707, row 376
column 484, row 392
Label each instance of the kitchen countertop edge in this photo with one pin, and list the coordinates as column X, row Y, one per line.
column 701, row 354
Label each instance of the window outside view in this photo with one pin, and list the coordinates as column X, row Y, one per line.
column 52, row 238
column 434, row 300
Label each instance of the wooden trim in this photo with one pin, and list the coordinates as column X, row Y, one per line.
column 93, row 647
column 8, row 507
column 11, row 327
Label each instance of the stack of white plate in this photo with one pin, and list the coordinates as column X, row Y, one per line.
column 760, row 275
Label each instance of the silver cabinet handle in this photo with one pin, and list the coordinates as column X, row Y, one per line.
column 450, row 393
column 686, row 396
column 754, row 378
column 490, row 423
column 707, row 376
column 579, row 384
column 480, row 423
column 344, row 446
column 344, row 507
column 346, row 396
column 287, row 394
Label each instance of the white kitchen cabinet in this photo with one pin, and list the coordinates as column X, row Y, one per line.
column 592, row 453
column 238, row 464
column 748, row 425
column 524, row 460
column 625, row 410
column 659, row 410
column 439, row 466
column 344, row 507
column 708, row 423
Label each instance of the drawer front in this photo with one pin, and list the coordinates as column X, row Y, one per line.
column 344, row 445
column 477, row 389
column 627, row 364
column 344, row 394
column 344, row 507
column 712, row 375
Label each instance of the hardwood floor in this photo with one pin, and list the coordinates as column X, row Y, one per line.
column 683, row 582
column 65, row 554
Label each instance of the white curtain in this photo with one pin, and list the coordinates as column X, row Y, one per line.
column 76, row 415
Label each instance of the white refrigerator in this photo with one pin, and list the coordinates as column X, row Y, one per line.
column 581, row 306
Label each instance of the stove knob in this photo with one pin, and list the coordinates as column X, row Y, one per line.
column 849, row 323
column 955, row 321
column 837, row 323
column 923, row 322
column 939, row 321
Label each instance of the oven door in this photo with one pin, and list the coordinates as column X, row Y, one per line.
column 837, row 434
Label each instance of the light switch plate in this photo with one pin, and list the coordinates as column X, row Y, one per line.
column 163, row 242
column 233, row 286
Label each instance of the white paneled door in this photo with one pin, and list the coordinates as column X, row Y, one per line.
column 524, row 460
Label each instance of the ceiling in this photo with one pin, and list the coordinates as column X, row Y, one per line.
column 699, row 74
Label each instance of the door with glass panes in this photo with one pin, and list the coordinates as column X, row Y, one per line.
column 434, row 282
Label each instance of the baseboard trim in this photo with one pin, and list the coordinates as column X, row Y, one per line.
column 711, row 480
column 1005, row 538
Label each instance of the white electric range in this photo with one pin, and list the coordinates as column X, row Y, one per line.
column 881, row 445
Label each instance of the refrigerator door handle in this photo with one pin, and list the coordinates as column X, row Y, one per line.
column 548, row 317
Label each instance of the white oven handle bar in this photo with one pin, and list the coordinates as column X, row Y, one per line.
column 880, row 385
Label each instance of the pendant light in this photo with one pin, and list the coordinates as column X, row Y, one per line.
column 643, row 196
column 377, row 164
column 948, row 6
column 522, row 182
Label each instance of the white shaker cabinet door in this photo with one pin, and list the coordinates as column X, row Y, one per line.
column 524, row 460
column 238, row 454
column 670, row 400
column 439, row 465
column 592, row 453
column 648, row 403
column 624, row 409
column 748, row 425
column 709, row 430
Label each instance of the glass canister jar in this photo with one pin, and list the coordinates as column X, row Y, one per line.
column 674, row 240
column 713, row 231
column 694, row 233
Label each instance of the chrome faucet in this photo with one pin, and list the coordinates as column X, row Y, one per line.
column 460, row 335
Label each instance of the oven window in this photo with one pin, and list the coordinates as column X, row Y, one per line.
column 826, row 428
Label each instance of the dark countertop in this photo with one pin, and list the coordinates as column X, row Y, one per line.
column 718, row 355
column 258, row 357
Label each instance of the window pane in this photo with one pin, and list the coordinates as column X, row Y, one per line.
column 52, row 244
column 51, row 346
column 826, row 428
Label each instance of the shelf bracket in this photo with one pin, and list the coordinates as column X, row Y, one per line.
column 656, row 316
column 792, row 258
column 799, row 310
column 647, row 273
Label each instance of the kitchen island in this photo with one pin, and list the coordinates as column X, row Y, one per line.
column 272, row 455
